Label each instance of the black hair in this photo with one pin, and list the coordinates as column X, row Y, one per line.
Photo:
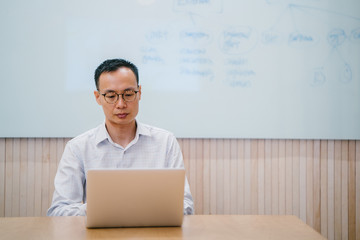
column 112, row 65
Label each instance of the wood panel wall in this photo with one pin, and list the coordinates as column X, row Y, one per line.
column 316, row 180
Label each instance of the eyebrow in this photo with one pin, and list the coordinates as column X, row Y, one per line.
column 127, row 89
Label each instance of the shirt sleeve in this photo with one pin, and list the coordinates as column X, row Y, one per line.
column 176, row 158
column 188, row 200
column 69, row 194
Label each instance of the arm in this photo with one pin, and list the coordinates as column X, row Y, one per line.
column 188, row 200
column 176, row 160
column 69, row 184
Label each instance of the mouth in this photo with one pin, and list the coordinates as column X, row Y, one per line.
column 122, row 115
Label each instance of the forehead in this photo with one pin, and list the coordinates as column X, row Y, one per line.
column 122, row 78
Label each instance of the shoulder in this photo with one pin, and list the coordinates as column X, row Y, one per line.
column 160, row 139
column 86, row 138
column 157, row 136
column 152, row 131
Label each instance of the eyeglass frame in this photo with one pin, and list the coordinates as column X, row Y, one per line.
column 118, row 95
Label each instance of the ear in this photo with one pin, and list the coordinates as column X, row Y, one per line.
column 97, row 97
column 139, row 93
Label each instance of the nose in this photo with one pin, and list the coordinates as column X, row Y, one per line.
column 121, row 103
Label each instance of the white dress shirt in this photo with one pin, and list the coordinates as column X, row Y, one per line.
column 151, row 148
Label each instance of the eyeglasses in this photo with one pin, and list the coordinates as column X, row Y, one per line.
column 113, row 97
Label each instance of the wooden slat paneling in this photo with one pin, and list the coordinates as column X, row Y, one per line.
column 309, row 182
column 352, row 190
column 296, row 178
column 302, row 180
column 240, row 176
column 254, row 179
column 206, row 178
column 267, row 177
column 219, row 168
column 247, row 177
column 38, row 177
column 324, row 188
column 213, row 176
column 282, row 177
column 275, row 177
column 30, row 181
column 45, row 176
column 15, row 204
column 316, row 180
column 2, row 176
column 337, row 197
column 233, row 176
column 261, row 177
column 227, row 176
column 331, row 190
column 344, row 189
column 23, row 176
column 317, row 186
column 357, row 183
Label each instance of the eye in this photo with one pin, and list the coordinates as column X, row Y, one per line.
column 129, row 93
column 110, row 95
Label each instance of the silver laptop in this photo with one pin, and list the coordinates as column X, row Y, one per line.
column 134, row 197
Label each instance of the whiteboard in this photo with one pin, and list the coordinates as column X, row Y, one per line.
column 286, row 69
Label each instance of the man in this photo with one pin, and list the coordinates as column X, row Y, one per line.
column 120, row 142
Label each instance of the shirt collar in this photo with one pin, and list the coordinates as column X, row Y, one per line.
column 103, row 134
column 142, row 130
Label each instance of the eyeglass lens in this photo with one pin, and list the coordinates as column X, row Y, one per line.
column 113, row 97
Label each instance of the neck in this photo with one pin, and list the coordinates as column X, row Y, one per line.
column 121, row 134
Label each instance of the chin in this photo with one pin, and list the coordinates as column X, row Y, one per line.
column 124, row 121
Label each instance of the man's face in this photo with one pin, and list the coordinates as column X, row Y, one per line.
column 120, row 113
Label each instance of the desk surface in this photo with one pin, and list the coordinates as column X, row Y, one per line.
column 194, row 227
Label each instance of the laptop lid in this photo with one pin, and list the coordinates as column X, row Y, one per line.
column 134, row 197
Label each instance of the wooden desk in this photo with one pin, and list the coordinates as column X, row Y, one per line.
column 194, row 227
